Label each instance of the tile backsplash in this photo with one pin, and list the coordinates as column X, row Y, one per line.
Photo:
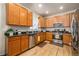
column 20, row 28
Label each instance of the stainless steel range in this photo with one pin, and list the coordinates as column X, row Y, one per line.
column 58, row 34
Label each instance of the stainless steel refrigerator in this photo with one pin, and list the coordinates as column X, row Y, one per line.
column 75, row 32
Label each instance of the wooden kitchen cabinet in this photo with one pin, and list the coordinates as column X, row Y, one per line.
column 70, row 16
column 17, row 44
column 37, row 38
column 67, row 39
column 58, row 19
column 30, row 18
column 18, row 15
column 23, row 16
column 49, row 36
column 41, row 21
column 42, row 36
column 65, row 19
column 48, row 23
column 13, row 46
column 12, row 14
column 68, row 19
column 24, row 42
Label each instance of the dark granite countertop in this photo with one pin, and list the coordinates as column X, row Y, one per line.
column 35, row 32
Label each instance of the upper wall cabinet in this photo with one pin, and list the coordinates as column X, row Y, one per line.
column 41, row 21
column 23, row 16
column 67, row 19
column 17, row 15
column 30, row 17
column 49, row 22
column 64, row 19
column 12, row 14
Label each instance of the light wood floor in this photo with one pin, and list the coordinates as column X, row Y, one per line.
column 49, row 50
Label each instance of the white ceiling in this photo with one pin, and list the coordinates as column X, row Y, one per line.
column 52, row 8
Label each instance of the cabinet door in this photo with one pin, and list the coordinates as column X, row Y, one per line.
column 41, row 36
column 49, row 36
column 41, row 21
column 12, row 14
column 30, row 18
column 66, row 20
column 37, row 38
column 70, row 18
column 23, row 16
column 44, row 35
column 13, row 46
column 24, row 43
column 67, row 39
column 49, row 22
column 16, row 15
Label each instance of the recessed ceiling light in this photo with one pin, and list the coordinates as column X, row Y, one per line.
column 46, row 12
column 61, row 7
column 39, row 5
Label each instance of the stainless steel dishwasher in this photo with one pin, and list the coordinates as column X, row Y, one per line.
column 31, row 39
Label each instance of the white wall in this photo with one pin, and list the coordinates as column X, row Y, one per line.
column 4, row 27
column 35, row 21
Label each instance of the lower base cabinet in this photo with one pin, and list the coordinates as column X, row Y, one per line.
column 42, row 36
column 17, row 44
column 49, row 36
column 67, row 39
column 39, row 37
column 24, row 43
column 13, row 46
